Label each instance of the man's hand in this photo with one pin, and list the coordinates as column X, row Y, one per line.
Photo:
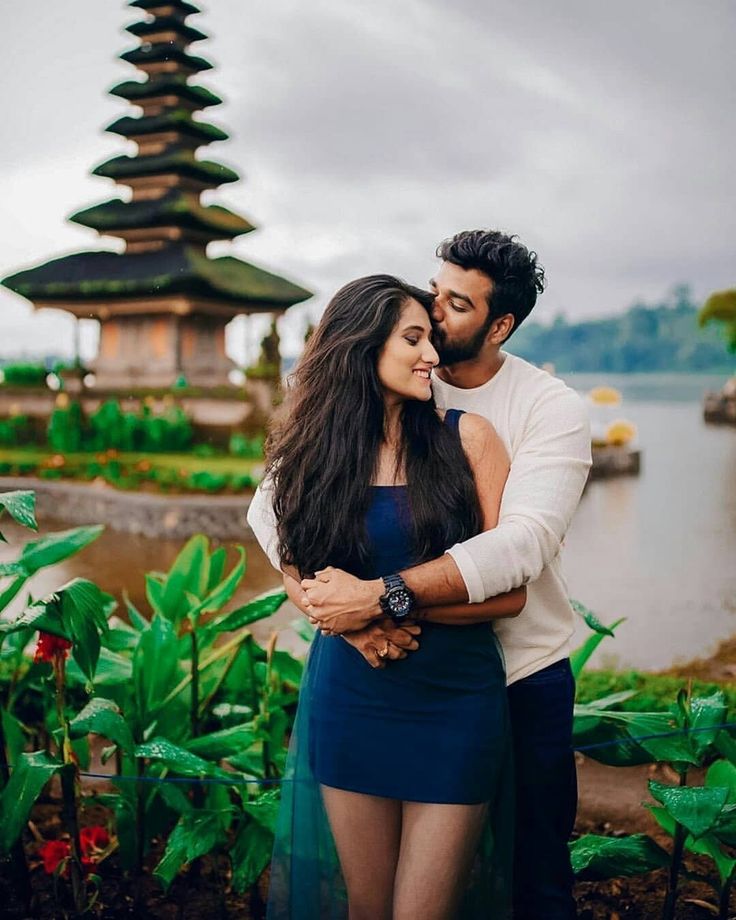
column 383, row 641
column 338, row 602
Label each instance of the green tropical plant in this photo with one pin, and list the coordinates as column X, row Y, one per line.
column 180, row 692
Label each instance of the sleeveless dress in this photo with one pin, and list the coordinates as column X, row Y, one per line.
column 432, row 727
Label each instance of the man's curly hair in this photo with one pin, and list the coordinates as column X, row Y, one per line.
column 517, row 277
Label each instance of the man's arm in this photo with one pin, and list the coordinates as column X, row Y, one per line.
column 547, row 477
column 262, row 522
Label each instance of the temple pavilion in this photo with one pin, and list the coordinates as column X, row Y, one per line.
column 163, row 304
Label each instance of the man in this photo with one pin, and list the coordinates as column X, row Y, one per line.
column 486, row 286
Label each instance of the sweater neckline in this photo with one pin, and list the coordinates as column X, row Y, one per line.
column 507, row 359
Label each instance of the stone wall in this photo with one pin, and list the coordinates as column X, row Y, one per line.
column 176, row 516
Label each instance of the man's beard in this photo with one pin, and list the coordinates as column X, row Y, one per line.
column 464, row 350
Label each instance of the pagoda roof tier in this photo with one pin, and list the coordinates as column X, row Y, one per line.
column 166, row 24
column 187, row 9
column 178, row 162
column 106, row 277
column 165, row 85
column 164, row 52
column 178, row 120
column 175, row 209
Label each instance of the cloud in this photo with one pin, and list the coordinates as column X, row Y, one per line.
column 369, row 131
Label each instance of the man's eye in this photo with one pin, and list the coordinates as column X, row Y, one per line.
column 457, row 309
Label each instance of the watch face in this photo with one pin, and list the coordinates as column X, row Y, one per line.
column 399, row 601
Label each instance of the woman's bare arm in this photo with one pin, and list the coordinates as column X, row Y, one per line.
column 490, row 465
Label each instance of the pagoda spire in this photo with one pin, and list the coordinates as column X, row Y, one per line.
column 163, row 291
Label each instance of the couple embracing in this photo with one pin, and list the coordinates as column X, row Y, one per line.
column 420, row 481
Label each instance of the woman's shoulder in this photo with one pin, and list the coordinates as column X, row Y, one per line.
column 479, row 438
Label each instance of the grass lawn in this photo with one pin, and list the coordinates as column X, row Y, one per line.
column 189, row 462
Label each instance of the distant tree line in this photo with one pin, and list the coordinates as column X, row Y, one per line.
column 664, row 336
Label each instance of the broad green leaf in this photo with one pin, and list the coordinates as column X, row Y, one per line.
column 303, row 628
column 724, row 742
column 250, row 854
column 288, row 668
column 44, row 615
column 705, row 846
column 137, row 620
column 121, row 639
column 218, row 558
column 123, row 807
column 31, row 773
column 265, row 808
column 21, row 506
column 222, row 592
column 580, row 656
column 15, row 736
column 103, row 717
column 9, row 592
column 188, row 574
column 195, row 834
column 84, row 611
column 155, row 667
column 155, row 592
column 595, row 857
column 706, row 714
column 175, row 797
column 723, row 773
column 257, row 609
column 225, row 743
column 8, row 569
column 56, row 547
column 725, row 827
column 591, row 619
column 112, row 670
column 179, row 759
column 695, row 807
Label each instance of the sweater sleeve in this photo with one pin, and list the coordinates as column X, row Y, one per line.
column 548, row 473
column 262, row 521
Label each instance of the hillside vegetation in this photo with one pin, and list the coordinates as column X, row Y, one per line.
column 646, row 338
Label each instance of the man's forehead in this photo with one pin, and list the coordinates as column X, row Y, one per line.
column 470, row 281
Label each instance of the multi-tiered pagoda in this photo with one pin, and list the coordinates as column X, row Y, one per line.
column 163, row 304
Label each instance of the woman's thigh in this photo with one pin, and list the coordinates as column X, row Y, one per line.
column 438, row 843
column 367, row 834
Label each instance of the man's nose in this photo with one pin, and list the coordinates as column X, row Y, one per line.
column 437, row 313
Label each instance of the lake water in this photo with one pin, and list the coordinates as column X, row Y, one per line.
column 659, row 548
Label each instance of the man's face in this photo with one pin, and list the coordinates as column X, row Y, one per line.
column 460, row 314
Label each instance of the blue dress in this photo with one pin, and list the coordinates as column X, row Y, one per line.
column 432, row 727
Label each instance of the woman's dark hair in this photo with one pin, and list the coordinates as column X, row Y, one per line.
column 322, row 452
column 517, row 277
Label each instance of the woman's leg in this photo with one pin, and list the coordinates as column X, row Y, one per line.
column 438, row 843
column 367, row 834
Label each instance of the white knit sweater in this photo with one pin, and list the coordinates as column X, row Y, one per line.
column 545, row 428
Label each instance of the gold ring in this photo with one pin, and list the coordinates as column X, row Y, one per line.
column 383, row 652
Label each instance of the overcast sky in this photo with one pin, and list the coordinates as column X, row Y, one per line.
column 366, row 131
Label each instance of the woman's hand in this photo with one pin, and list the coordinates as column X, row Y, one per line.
column 383, row 641
column 337, row 602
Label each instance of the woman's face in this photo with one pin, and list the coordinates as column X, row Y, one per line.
column 408, row 356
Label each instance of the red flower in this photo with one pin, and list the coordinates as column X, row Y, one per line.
column 51, row 647
column 93, row 838
column 92, row 841
column 52, row 853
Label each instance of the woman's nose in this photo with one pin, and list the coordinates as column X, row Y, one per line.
column 430, row 355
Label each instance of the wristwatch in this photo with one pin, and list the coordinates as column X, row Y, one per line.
column 399, row 601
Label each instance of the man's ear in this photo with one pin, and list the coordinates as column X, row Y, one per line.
column 501, row 329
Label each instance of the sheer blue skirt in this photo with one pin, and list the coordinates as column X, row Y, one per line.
column 306, row 883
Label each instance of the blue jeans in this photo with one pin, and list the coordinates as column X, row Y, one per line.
column 541, row 707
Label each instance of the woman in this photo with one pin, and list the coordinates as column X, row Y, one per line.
column 409, row 762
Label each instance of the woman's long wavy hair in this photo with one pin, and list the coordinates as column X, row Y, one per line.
column 323, row 449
